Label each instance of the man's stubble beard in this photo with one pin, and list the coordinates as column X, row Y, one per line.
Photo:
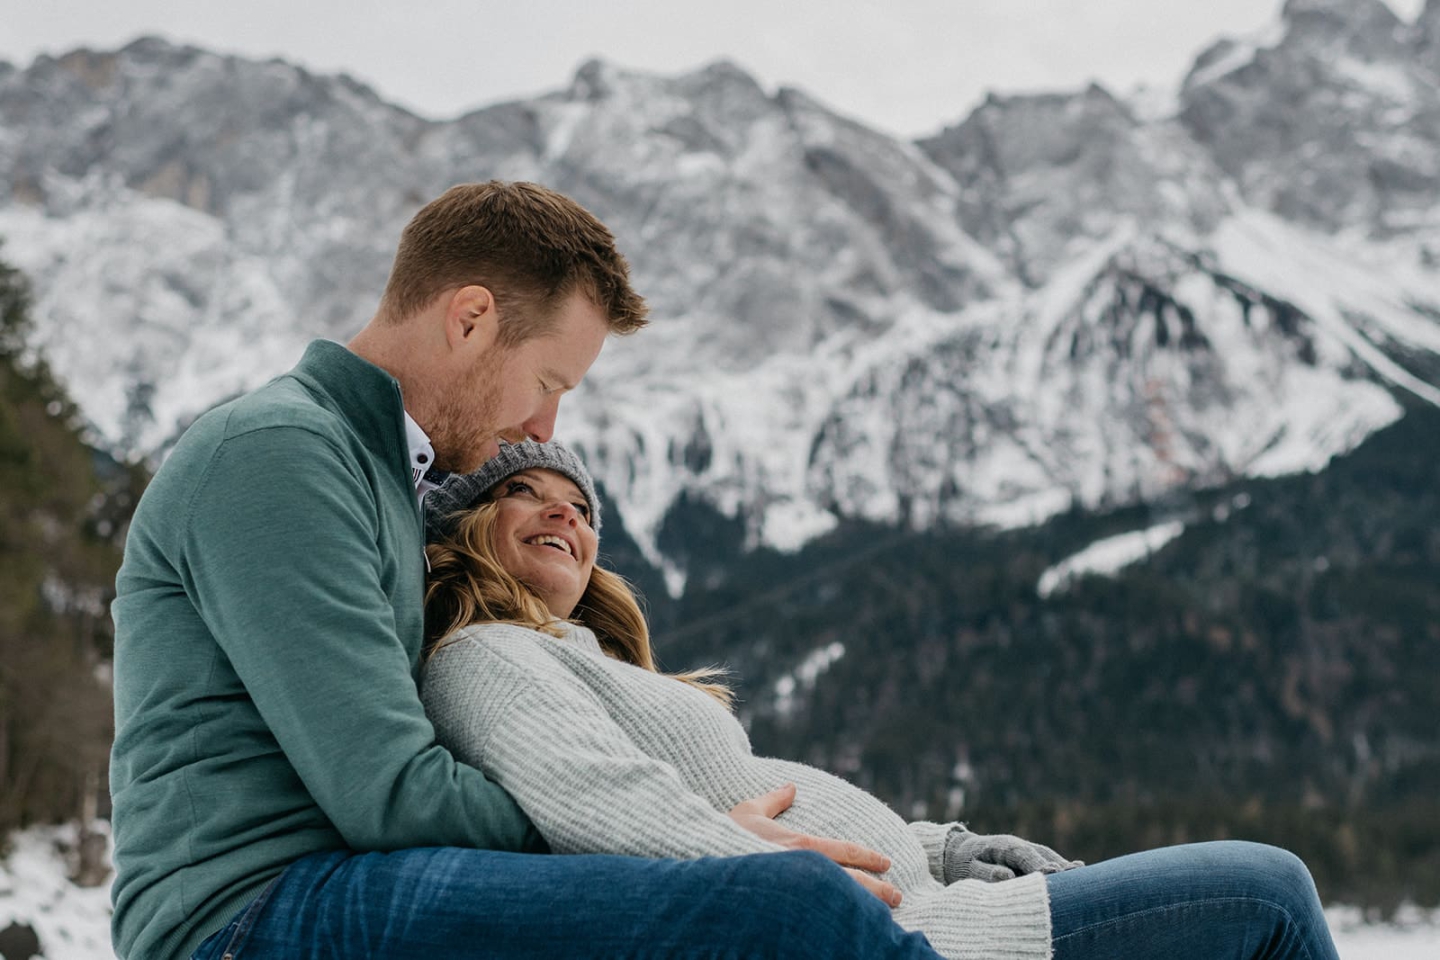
column 467, row 417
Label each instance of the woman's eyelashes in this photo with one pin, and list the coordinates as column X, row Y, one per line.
column 516, row 487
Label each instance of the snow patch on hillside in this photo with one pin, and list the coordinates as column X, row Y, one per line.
column 1108, row 556
column 134, row 284
column 803, row 677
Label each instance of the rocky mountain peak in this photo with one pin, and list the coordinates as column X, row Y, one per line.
column 1339, row 14
column 723, row 194
column 1366, row 28
column 592, row 80
column 1094, row 163
column 711, row 110
column 1332, row 121
column 598, row 80
column 727, row 78
column 1027, row 130
column 95, row 70
column 172, row 121
column 155, row 51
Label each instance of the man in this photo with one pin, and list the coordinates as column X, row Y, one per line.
column 277, row 789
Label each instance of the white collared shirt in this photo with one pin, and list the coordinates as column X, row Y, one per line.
column 422, row 459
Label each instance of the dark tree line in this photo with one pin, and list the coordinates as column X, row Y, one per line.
column 62, row 506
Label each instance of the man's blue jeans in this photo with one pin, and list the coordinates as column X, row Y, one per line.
column 1197, row 902
column 1200, row 901
column 448, row 902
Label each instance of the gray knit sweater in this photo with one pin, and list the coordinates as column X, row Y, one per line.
column 606, row 757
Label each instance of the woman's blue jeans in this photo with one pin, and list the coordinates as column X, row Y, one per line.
column 1201, row 901
column 1204, row 901
column 448, row 903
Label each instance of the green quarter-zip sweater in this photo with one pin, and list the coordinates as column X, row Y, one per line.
column 268, row 626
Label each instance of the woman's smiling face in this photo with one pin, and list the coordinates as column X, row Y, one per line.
column 543, row 536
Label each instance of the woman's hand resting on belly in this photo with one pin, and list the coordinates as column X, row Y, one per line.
column 758, row 816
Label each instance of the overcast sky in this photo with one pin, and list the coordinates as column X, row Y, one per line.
column 905, row 66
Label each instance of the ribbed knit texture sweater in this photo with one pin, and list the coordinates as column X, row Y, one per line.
column 606, row 757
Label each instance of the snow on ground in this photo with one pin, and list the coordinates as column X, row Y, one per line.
column 1109, row 555
column 1413, row 934
column 74, row 923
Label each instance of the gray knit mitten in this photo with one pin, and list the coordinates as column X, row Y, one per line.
column 973, row 856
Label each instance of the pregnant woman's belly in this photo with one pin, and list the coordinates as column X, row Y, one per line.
column 827, row 806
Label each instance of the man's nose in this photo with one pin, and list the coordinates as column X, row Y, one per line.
column 541, row 427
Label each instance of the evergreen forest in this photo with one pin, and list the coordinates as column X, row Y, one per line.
column 62, row 509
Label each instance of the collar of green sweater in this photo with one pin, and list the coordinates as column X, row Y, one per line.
column 363, row 393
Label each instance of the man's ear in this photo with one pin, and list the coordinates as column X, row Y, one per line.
column 471, row 320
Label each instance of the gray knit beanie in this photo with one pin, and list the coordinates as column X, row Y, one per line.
column 444, row 506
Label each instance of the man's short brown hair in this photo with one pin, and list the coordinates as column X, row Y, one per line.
column 530, row 246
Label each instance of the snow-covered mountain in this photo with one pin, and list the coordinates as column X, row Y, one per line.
column 1064, row 299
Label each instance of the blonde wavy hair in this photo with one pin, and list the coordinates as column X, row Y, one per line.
column 468, row 584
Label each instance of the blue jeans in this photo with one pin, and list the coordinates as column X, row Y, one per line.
column 1200, row 901
column 448, row 902
column 1203, row 901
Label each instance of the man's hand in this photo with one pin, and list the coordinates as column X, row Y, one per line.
column 758, row 816
column 973, row 856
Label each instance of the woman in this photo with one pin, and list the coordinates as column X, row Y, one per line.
column 542, row 677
